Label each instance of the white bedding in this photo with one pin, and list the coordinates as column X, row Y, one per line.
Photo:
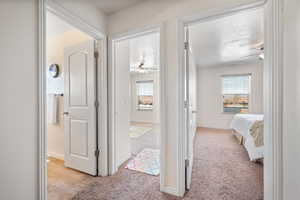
column 254, row 152
column 242, row 124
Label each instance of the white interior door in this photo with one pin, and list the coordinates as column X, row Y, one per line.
column 80, row 110
column 190, row 108
column 122, row 103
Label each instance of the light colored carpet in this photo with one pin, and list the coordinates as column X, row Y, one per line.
column 222, row 171
column 138, row 131
column 147, row 161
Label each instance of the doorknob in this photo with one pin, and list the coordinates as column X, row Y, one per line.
column 66, row 113
column 194, row 111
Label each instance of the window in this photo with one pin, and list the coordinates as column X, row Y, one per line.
column 236, row 91
column 144, row 95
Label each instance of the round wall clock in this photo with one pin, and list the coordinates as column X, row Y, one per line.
column 54, row 70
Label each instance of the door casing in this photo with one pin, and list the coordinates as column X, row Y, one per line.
column 111, row 80
column 55, row 8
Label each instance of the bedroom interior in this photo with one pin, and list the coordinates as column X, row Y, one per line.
column 228, row 52
column 138, row 103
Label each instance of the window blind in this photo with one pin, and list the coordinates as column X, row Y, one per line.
column 145, row 88
column 239, row 84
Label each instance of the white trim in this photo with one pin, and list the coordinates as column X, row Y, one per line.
column 273, row 169
column 273, row 80
column 170, row 190
column 112, row 40
column 181, row 111
column 163, row 109
column 42, row 193
column 74, row 20
column 103, row 108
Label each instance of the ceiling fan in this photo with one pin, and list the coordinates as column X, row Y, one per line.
column 258, row 47
column 142, row 68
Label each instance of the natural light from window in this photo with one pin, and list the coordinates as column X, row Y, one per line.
column 144, row 95
column 235, row 93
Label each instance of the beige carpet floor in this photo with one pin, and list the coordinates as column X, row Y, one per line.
column 222, row 171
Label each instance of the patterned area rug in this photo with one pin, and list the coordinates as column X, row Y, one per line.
column 138, row 131
column 147, row 161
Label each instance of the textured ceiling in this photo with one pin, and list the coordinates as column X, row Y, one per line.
column 112, row 6
column 228, row 39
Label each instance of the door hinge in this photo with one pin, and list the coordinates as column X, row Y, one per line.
column 96, row 104
column 97, row 153
column 186, row 103
column 186, row 45
column 96, row 54
column 187, row 163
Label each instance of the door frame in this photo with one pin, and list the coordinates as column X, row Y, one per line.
column 273, row 91
column 99, row 35
column 111, row 85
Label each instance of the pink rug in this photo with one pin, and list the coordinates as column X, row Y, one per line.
column 147, row 161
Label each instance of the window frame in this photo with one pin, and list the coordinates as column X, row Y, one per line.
column 249, row 92
column 138, row 107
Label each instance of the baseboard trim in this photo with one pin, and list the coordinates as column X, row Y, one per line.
column 56, row 155
column 170, row 190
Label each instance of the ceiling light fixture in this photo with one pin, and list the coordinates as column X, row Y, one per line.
column 262, row 56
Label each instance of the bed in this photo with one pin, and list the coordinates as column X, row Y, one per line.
column 249, row 129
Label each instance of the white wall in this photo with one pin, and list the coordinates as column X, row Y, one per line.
column 151, row 116
column 19, row 98
column 291, row 100
column 210, row 106
column 167, row 11
column 55, row 55
column 18, row 86
column 87, row 11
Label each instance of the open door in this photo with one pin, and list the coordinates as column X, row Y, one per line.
column 190, row 108
column 80, row 108
column 122, row 104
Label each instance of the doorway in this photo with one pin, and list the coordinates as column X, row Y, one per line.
column 228, row 65
column 74, row 124
column 137, row 110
